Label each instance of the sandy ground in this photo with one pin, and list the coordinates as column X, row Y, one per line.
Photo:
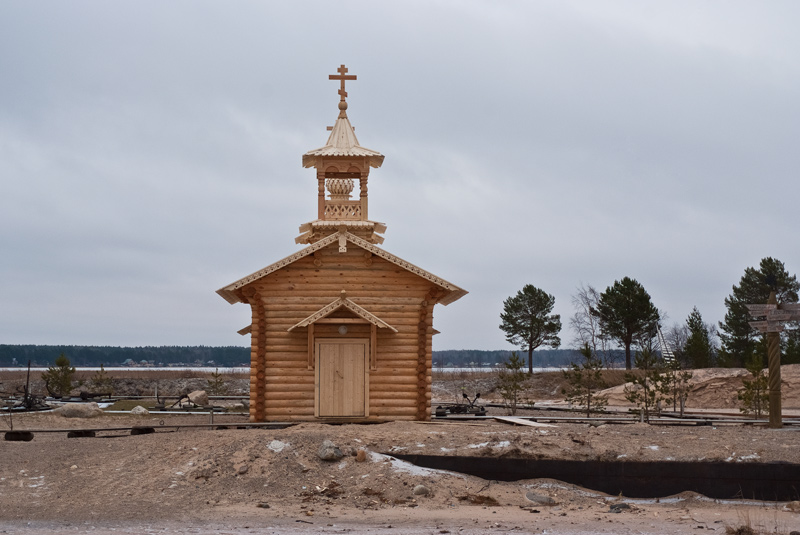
column 240, row 481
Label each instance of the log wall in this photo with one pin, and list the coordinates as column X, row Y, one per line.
column 282, row 385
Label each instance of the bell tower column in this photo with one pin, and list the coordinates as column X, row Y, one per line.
column 320, row 193
column 362, row 183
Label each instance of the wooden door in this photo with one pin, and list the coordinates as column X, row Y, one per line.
column 342, row 388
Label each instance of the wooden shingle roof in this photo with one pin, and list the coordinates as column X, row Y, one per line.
column 343, row 142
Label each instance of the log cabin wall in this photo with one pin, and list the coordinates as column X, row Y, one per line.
column 282, row 386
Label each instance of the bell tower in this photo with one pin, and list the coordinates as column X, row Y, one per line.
column 339, row 163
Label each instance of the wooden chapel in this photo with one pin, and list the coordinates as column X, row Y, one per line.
column 341, row 329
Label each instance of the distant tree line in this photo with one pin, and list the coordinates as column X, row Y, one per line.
column 42, row 355
column 230, row 356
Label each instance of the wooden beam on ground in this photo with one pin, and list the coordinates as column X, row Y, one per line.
column 520, row 421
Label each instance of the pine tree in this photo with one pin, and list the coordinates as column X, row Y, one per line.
column 697, row 350
column 511, row 381
column 627, row 313
column 101, row 382
column 528, row 322
column 647, row 387
column 216, row 385
column 584, row 381
column 677, row 384
column 58, row 378
column 754, row 396
column 739, row 340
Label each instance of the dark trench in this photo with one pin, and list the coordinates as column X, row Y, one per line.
column 636, row 479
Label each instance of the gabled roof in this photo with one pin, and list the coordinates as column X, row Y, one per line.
column 343, row 302
column 342, row 142
column 228, row 292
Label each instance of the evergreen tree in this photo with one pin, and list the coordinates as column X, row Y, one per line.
column 676, row 381
column 626, row 313
column 647, row 387
column 791, row 352
column 58, row 378
column 511, row 381
column 216, row 384
column 754, row 396
column 101, row 382
column 739, row 340
column 584, row 381
column 697, row 350
column 528, row 322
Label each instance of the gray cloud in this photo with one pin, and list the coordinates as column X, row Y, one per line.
column 150, row 153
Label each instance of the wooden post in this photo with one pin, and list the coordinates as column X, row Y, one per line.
column 320, row 194
column 362, row 184
column 774, row 363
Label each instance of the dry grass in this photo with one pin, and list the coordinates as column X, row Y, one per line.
column 477, row 499
column 136, row 373
column 748, row 525
column 540, row 386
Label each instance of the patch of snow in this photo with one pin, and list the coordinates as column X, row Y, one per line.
column 446, row 449
column 622, row 456
column 503, row 444
column 654, row 448
column 397, row 448
column 277, row 446
column 408, row 468
column 420, row 445
column 476, row 446
column 751, row 457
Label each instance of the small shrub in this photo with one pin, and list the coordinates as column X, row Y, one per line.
column 58, row 378
column 754, row 397
column 511, row 382
column 216, row 384
column 648, row 386
column 101, row 382
column 584, row 381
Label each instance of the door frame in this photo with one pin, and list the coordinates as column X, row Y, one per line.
column 338, row 341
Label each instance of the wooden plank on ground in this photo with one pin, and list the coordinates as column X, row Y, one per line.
column 520, row 421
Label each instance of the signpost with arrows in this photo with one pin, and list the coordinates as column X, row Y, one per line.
column 774, row 315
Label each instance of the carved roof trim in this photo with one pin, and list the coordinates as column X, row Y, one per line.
column 343, row 302
column 343, row 142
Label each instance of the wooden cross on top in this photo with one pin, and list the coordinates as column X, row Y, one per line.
column 342, row 76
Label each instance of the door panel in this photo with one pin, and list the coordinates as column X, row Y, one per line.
column 341, row 377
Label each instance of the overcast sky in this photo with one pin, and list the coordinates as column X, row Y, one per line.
column 150, row 153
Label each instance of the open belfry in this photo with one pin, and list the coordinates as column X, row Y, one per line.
column 341, row 329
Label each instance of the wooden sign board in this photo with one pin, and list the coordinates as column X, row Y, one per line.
column 767, row 326
column 760, row 310
column 795, row 307
column 783, row 315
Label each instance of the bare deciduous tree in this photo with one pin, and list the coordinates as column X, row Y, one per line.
column 587, row 325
